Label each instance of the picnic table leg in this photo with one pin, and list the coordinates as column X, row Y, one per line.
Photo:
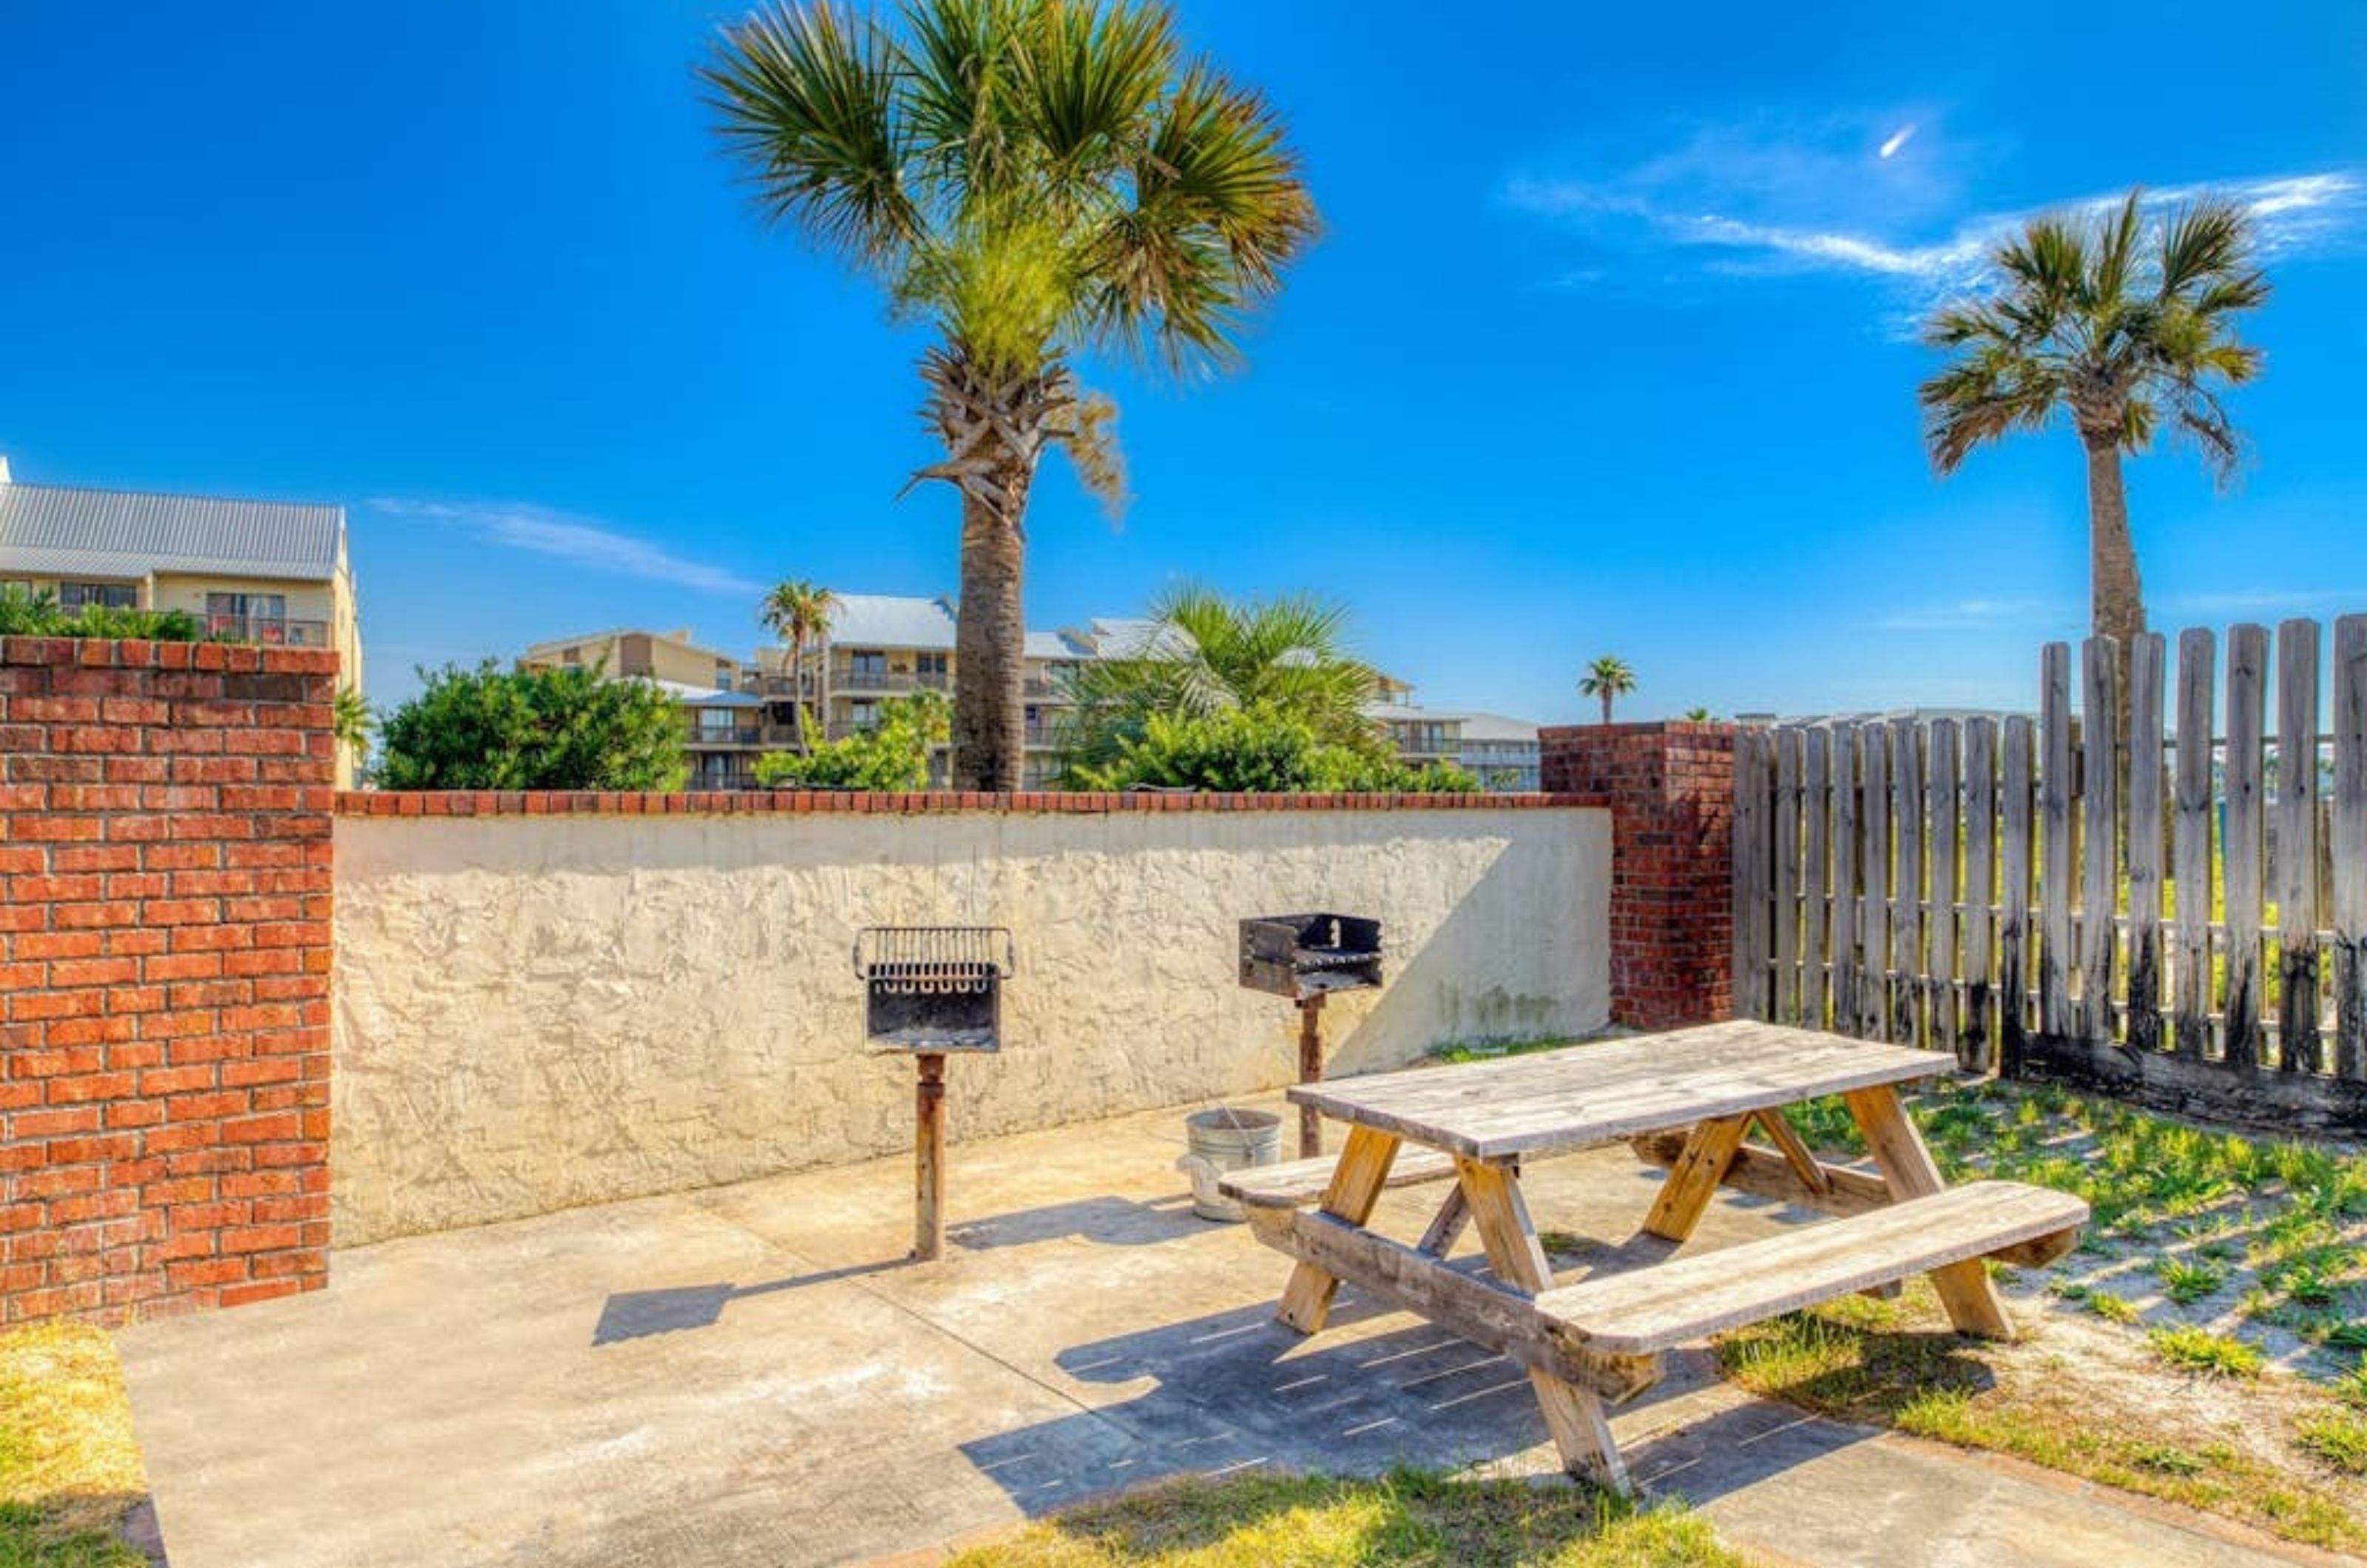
column 1709, row 1151
column 1581, row 1432
column 1356, row 1184
column 1908, row 1168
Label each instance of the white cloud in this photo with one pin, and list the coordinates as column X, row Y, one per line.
column 1830, row 197
column 584, row 541
column 1976, row 615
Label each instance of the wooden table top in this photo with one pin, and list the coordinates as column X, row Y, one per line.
column 1557, row 1101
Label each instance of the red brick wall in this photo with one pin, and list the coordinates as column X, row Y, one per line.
column 164, row 945
column 1671, row 788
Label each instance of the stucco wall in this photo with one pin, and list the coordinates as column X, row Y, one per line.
column 538, row 1011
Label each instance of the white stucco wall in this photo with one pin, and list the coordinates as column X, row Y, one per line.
column 539, row 1012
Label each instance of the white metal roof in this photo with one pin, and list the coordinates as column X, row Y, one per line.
column 55, row 530
column 882, row 620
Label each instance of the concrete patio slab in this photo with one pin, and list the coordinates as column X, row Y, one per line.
column 754, row 1374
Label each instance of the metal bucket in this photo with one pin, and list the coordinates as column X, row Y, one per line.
column 1225, row 1140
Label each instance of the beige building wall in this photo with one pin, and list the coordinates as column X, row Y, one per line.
column 534, row 1013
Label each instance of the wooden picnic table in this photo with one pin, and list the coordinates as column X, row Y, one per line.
column 1687, row 1099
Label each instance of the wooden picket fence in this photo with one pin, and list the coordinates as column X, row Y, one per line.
column 2109, row 915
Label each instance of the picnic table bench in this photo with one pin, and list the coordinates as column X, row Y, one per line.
column 1688, row 1101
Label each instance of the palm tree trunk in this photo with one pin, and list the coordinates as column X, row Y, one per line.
column 1607, row 707
column 2116, row 598
column 990, row 644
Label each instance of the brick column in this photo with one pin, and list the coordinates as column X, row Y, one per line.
column 1671, row 792
column 164, row 947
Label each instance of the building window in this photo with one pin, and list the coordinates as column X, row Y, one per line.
column 867, row 662
column 107, row 595
column 571, row 656
column 929, row 664
column 715, row 722
column 862, row 715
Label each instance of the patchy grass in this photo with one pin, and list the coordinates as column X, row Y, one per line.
column 2207, row 1344
column 1409, row 1518
column 1896, row 1364
column 2199, row 1350
column 69, row 1468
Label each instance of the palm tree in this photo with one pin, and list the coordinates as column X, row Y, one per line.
column 1032, row 179
column 1606, row 678
column 1201, row 654
column 353, row 722
column 2118, row 329
column 798, row 611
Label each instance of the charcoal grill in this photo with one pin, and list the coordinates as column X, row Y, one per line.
column 1307, row 958
column 929, row 992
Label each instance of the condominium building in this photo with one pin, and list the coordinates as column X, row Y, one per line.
column 271, row 573
column 1502, row 751
column 882, row 647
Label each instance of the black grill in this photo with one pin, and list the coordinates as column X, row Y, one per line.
column 1311, row 955
column 932, row 988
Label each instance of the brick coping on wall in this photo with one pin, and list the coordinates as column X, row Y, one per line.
column 137, row 653
column 742, row 803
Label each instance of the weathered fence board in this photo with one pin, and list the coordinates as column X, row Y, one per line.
column 2015, row 863
column 1943, row 787
column 2055, row 840
column 1873, row 868
column 1753, row 875
column 1907, row 881
column 2248, row 667
column 2145, row 843
column 1787, row 874
column 2296, row 859
column 2110, row 893
column 1816, row 907
column 2100, row 836
column 1845, row 879
column 1977, row 1040
column 2192, row 868
column 2350, row 847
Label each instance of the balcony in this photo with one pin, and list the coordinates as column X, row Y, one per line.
column 272, row 631
column 890, row 680
column 705, row 737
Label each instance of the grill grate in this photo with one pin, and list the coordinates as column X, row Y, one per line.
column 934, row 988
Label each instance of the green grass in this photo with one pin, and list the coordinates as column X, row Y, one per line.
column 1409, row 1520
column 2338, row 1437
column 1895, row 1364
column 2199, row 1350
column 2185, row 1281
column 69, row 1468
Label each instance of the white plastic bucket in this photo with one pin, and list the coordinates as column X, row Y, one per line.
column 1222, row 1140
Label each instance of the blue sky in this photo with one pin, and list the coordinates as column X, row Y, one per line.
column 1605, row 347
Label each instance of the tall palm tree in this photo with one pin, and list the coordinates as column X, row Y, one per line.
column 2119, row 328
column 1606, row 678
column 1034, row 179
column 798, row 611
column 1201, row 654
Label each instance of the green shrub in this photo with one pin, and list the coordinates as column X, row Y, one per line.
column 1257, row 749
column 492, row 728
column 23, row 613
column 891, row 755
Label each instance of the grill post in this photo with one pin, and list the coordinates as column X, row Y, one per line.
column 929, row 1158
column 1310, row 1070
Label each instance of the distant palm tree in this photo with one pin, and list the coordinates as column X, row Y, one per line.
column 2120, row 336
column 1697, row 716
column 1606, row 678
column 1032, row 179
column 798, row 611
column 1203, row 654
column 354, row 723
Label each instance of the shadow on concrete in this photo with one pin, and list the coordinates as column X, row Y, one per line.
column 639, row 1315
column 1112, row 1222
column 1236, row 1390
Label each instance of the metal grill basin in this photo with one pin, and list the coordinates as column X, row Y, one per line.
column 930, row 989
column 1310, row 955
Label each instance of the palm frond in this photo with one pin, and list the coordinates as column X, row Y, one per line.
column 805, row 99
